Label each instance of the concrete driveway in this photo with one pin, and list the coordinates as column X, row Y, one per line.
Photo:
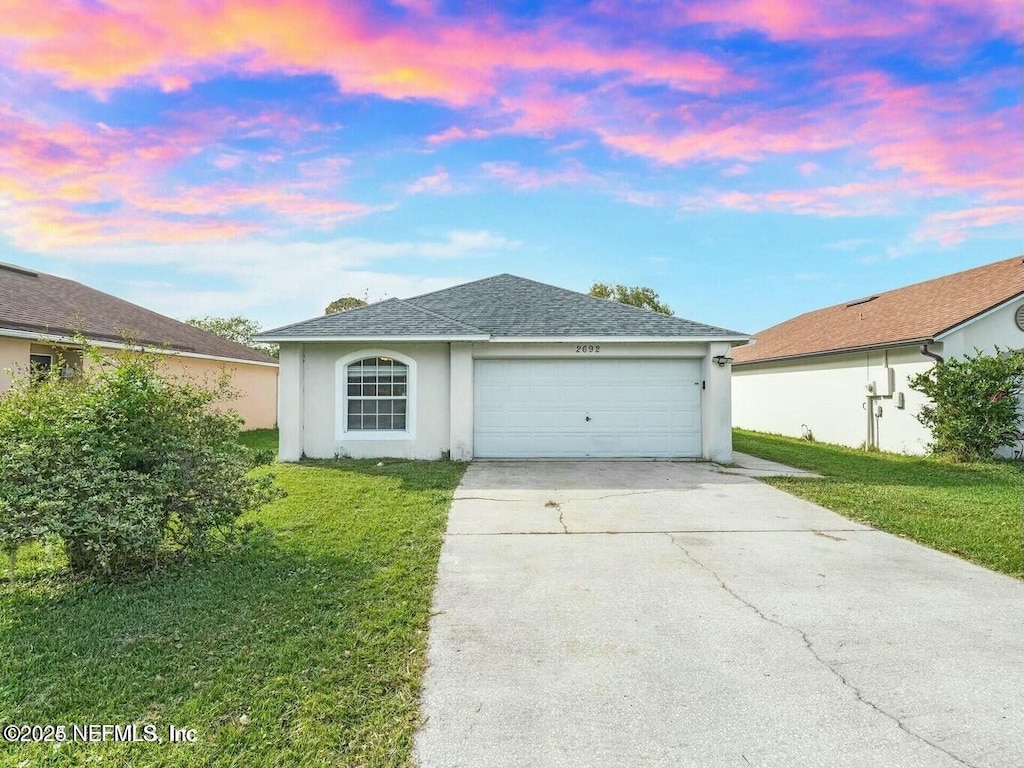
column 669, row 614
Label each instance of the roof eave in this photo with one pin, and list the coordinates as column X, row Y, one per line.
column 598, row 339
column 148, row 346
column 834, row 352
column 974, row 318
column 273, row 339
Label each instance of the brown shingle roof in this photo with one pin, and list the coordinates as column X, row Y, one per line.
column 915, row 313
column 46, row 304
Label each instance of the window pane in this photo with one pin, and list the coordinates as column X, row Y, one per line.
column 377, row 389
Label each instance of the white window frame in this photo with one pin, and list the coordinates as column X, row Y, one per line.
column 341, row 430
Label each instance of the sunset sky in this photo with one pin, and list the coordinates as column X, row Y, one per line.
column 748, row 159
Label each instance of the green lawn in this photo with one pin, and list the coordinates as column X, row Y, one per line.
column 970, row 510
column 306, row 651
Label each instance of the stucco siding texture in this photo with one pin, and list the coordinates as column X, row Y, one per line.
column 828, row 396
column 255, row 385
column 13, row 360
column 320, row 409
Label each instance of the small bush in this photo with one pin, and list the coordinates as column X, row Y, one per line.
column 122, row 462
column 974, row 403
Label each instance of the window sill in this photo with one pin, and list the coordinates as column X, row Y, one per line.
column 368, row 434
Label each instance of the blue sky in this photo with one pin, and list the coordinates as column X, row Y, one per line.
column 748, row 159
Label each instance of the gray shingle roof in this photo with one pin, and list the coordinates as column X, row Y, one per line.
column 35, row 302
column 391, row 317
column 502, row 306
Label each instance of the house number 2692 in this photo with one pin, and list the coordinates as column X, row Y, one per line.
column 588, row 348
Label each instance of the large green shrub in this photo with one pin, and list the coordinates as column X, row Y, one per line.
column 974, row 407
column 122, row 462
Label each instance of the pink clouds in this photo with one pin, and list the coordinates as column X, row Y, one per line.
column 780, row 132
column 853, row 199
column 845, row 19
column 438, row 183
column 949, row 228
column 663, row 83
column 48, row 174
column 99, row 47
column 525, row 178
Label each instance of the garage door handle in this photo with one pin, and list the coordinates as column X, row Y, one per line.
column 588, row 418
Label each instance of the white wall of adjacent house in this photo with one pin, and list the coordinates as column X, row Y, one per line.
column 827, row 394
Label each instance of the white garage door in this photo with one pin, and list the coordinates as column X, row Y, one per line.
column 581, row 408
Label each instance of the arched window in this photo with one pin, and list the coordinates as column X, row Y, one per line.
column 377, row 395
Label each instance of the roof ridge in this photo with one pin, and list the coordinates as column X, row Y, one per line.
column 441, row 316
column 459, row 285
column 629, row 307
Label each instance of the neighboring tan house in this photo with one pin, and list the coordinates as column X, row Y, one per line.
column 840, row 373
column 504, row 368
column 40, row 314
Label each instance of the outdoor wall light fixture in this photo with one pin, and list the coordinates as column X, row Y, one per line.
column 722, row 360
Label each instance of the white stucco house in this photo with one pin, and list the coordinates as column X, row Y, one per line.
column 504, row 367
column 840, row 373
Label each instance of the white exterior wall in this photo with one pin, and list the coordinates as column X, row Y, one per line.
column 716, row 405
column 308, row 413
column 461, row 401
column 828, row 395
column 827, row 392
column 309, row 418
column 996, row 329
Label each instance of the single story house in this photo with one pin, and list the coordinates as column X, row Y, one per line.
column 840, row 374
column 41, row 314
column 504, row 367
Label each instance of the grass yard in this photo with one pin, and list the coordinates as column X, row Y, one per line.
column 970, row 510
column 305, row 651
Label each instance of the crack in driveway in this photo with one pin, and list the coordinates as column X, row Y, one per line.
column 810, row 647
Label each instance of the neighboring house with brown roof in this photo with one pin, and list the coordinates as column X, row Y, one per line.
column 841, row 372
column 41, row 314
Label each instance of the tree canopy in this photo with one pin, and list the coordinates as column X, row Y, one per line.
column 237, row 328
column 344, row 304
column 634, row 295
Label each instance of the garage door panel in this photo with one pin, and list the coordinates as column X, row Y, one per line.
column 637, row 407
